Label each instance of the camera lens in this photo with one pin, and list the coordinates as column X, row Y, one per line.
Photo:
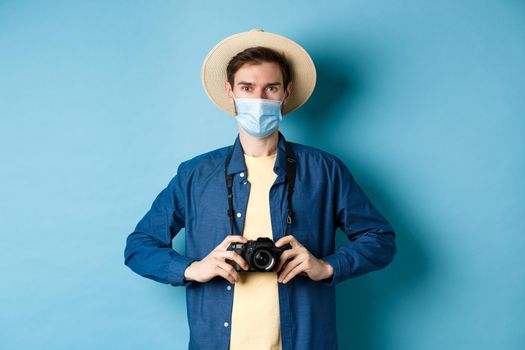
column 263, row 260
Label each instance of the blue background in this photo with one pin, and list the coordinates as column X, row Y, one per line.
column 423, row 100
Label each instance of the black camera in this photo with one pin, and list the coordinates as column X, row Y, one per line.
column 261, row 255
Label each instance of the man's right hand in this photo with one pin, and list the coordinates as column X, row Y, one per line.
column 214, row 264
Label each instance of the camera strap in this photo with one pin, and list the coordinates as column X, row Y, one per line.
column 290, row 179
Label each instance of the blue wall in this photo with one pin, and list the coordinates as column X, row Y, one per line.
column 423, row 100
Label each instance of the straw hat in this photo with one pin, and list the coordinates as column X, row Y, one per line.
column 213, row 71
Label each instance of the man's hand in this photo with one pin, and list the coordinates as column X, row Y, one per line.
column 214, row 264
column 299, row 261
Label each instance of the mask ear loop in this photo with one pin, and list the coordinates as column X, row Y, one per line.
column 234, row 103
column 281, row 107
column 282, row 102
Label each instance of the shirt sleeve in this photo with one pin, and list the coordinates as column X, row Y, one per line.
column 148, row 250
column 371, row 239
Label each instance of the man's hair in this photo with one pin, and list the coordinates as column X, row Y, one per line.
column 257, row 55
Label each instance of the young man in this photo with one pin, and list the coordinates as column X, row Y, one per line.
column 262, row 186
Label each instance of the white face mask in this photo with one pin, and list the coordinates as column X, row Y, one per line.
column 259, row 117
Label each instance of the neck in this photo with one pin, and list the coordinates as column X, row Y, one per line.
column 256, row 147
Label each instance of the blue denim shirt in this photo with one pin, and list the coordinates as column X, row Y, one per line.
column 326, row 197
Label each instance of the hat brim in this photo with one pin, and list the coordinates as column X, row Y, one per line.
column 213, row 72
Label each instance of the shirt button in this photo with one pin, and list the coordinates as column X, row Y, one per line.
column 229, row 287
column 226, row 324
column 241, row 174
column 244, row 183
column 238, row 215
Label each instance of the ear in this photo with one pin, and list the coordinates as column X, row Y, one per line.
column 229, row 93
column 228, row 89
column 287, row 92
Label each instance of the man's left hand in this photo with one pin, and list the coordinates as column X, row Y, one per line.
column 299, row 261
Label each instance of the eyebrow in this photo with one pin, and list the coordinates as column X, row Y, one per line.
column 250, row 84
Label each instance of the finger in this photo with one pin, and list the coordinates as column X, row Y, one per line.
column 283, row 240
column 285, row 256
column 219, row 271
column 230, row 270
column 298, row 269
column 231, row 255
column 288, row 239
column 289, row 267
column 231, row 239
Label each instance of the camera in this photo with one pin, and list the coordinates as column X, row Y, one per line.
column 261, row 255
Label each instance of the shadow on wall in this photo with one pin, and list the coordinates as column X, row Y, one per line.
column 366, row 305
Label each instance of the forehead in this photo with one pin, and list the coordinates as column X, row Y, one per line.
column 259, row 72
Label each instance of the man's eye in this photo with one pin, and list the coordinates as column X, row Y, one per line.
column 272, row 88
column 245, row 88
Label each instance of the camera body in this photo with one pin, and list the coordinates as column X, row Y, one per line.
column 261, row 255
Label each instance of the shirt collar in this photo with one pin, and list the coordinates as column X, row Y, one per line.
column 237, row 163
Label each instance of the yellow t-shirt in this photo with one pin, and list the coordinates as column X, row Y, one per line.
column 255, row 321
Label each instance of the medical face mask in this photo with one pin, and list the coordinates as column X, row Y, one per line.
column 259, row 117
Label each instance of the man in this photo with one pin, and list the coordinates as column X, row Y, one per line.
column 262, row 186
